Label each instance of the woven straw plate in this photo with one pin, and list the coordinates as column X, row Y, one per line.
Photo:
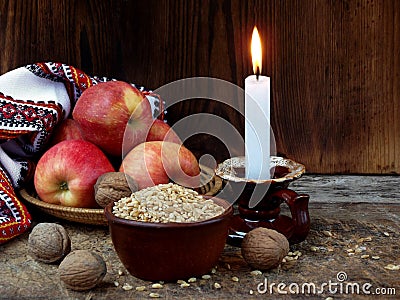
column 212, row 184
column 92, row 216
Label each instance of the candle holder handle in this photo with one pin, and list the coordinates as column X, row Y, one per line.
column 298, row 206
column 267, row 213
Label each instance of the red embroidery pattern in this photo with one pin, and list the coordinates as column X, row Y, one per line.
column 14, row 217
column 27, row 112
column 28, row 117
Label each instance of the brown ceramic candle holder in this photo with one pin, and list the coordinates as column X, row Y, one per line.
column 267, row 210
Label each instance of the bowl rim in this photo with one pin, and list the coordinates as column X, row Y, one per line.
column 228, row 213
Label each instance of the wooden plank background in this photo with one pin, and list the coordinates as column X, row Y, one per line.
column 334, row 65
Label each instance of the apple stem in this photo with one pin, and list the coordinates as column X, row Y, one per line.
column 64, row 186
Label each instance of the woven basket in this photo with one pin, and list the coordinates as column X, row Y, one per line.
column 92, row 216
column 96, row 216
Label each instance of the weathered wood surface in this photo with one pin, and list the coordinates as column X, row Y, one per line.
column 372, row 228
column 350, row 189
column 334, row 64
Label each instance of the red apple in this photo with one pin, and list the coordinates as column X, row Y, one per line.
column 67, row 130
column 67, row 172
column 158, row 162
column 161, row 131
column 104, row 111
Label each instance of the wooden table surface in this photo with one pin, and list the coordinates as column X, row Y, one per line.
column 361, row 213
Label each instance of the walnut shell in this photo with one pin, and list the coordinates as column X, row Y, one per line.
column 49, row 242
column 82, row 270
column 113, row 186
column 264, row 248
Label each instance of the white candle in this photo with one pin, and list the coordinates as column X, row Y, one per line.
column 257, row 115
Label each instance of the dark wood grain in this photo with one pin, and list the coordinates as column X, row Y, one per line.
column 334, row 65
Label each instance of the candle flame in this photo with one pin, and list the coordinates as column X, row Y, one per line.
column 256, row 51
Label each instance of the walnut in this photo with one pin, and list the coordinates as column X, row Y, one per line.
column 112, row 186
column 49, row 242
column 82, row 270
column 264, row 248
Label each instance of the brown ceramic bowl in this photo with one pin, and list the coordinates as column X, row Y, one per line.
column 169, row 251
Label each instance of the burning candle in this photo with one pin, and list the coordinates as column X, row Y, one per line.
column 257, row 112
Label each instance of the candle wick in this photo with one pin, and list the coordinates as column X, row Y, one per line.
column 257, row 72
